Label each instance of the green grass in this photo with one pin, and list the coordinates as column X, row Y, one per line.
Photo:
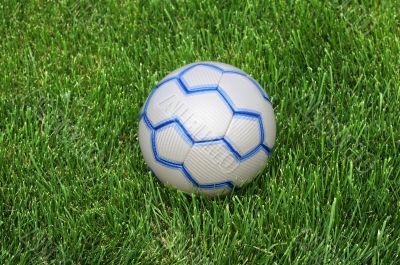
column 75, row 189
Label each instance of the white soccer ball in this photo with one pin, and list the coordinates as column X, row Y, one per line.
column 207, row 127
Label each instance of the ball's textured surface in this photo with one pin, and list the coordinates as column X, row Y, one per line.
column 207, row 127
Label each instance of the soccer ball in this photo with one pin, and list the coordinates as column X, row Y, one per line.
column 208, row 128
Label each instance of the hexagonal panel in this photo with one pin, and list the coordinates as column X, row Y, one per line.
column 241, row 90
column 244, row 94
column 204, row 114
column 172, row 144
column 244, row 133
column 164, row 102
column 167, row 175
column 200, row 76
column 211, row 163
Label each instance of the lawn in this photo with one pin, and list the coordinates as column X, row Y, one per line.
column 74, row 187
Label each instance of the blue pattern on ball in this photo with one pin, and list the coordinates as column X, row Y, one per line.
column 190, row 138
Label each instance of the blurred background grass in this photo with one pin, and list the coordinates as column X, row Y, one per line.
column 75, row 189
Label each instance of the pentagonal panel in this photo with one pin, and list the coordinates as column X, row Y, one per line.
column 172, row 144
column 167, row 175
column 200, row 76
column 214, row 163
column 205, row 115
column 244, row 133
column 244, row 94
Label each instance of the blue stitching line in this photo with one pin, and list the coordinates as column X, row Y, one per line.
column 189, row 136
column 180, row 127
column 228, row 102
column 198, row 90
column 179, row 165
column 264, row 95
column 244, row 112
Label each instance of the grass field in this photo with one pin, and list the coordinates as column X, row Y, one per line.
column 75, row 189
